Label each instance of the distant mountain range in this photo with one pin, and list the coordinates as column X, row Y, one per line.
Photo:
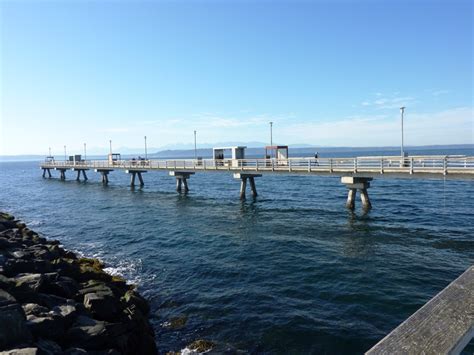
column 256, row 149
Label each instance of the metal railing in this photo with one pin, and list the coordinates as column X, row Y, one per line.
column 382, row 165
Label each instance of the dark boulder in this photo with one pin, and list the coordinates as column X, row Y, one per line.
column 47, row 326
column 103, row 306
column 48, row 347
column 132, row 297
column 13, row 329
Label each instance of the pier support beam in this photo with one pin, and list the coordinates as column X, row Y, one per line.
column 79, row 171
column 46, row 170
column 105, row 174
column 357, row 183
column 243, row 183
column 133, row 173
column 62, row 173
column 182, row 180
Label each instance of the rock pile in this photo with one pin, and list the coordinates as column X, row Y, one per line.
column 52, row 302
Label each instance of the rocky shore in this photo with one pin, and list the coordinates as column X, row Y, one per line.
column 53, row 302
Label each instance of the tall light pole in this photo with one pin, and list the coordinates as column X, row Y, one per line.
column 85, row 152
column 271, row 133
column 110, row 144
column 402, row 111
column 146, row 151
column 271, row 139
column 49, row 151
column 195, row 146
column 65, row 155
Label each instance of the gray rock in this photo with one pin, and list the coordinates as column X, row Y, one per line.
column 48, row 347
column 50, row 301
column 13, row 329
column 5, row 282
column 29, row 282
column 6, row 298
column 102, row 306
column 68, row 312
column 87, row 333
column 64, row 287
column 47, row 326
column 96, row 287
column 34, row 309
column 22, row 351
column 132, row 297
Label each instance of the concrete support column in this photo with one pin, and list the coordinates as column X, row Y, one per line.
column 351, row 196
column 46, row 170
column 364, row 197
column 243, row 187
column 243, row 183
column 133, row 174
column 182, row 180
column 355, row 183
column 78, row 175
column 140, row 178
column 62, row 175
column 253, row 187
column 105, row 175
column 84, row 175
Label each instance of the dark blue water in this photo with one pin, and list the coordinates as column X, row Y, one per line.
column 290, row 272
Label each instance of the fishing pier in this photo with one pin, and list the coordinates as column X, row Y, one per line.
column 356, row 173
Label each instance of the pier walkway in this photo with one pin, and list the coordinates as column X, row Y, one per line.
column 356, row 173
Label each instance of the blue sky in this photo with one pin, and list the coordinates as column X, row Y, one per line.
column 325, row 72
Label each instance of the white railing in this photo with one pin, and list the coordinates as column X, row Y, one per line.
column 410, row 165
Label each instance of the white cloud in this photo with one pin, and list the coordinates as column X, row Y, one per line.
column 392, row 102
column 454, row 126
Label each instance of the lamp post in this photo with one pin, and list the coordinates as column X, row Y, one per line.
column 65, row 155
column 271, row 138
column 110, row 144
column 85, row 152
column 195, row 146
column 146, row 151
column 49, row 151
column 271, row 133
column 402, row 111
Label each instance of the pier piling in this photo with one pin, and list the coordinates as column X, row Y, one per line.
column 46, row 170
column 133, row 174
column 243, row 183
column 354, row 183
column 182, row 180
column 105, row 174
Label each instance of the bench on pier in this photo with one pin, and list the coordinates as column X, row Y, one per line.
column 444, row 325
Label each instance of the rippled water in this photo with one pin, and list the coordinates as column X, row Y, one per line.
column 290, row 272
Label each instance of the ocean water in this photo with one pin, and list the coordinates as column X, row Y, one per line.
column 291, row 272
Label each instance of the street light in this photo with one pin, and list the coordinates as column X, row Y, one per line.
column 402, row 111
column 85, row 152
column 271, row 138
column 110, row 144
column 65, row 155
column 195, row 146
column 271, row 133
column 146, row 152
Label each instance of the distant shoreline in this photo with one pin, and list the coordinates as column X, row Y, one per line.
column 205, row 152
